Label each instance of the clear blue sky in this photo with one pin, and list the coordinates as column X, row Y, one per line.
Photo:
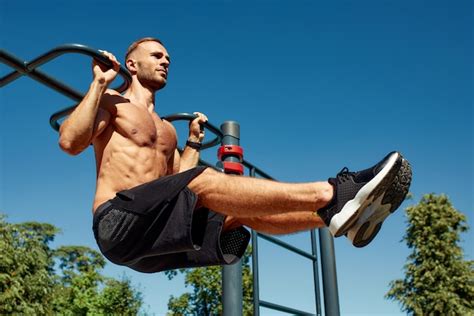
column 316, row 86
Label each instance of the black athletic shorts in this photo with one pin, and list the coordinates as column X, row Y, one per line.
column 155, row 227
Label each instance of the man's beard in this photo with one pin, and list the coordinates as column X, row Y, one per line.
column 148, row 80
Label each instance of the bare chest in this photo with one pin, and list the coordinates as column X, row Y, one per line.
column 145, row 129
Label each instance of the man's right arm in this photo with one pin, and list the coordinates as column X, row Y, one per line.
column 83, row 124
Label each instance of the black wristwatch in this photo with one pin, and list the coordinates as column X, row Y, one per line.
column 194, row 145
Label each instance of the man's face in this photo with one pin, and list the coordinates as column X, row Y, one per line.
column 152, row 62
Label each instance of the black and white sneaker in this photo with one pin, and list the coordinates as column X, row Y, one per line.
column 371, row 219
column 355, row 191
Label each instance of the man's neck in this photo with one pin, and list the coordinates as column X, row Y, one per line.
column 140, row 95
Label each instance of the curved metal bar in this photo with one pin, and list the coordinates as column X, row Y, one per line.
column 92, row 52
column 82, row 49
column 35, row 74
column 29, row 69
column 216, row 141
column 30, row 66
column 189, row 117
column 53, row 120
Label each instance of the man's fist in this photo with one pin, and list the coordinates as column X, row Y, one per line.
column 102, row 73
column 196, row 130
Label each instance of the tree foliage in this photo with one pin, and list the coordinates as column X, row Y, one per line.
column 38, row 280
column 26, row 264
column 206, row 296
column 438, row 281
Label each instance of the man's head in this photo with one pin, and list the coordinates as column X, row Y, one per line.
column 148, row 61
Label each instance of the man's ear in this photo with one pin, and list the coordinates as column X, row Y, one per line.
column 131, row 65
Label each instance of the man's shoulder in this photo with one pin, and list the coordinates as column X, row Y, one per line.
column 110, row 94
column 112, row 98
column 168, row 124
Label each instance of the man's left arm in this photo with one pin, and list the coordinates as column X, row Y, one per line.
column 191, row 153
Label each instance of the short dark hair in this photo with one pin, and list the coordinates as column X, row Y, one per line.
column 135, row 44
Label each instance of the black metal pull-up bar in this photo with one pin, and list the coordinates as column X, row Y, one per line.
column 30, row 69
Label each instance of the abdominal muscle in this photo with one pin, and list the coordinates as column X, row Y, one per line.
column 122, row 164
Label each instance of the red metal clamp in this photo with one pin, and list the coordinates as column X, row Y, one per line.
column 230, row 150
column 233, row 167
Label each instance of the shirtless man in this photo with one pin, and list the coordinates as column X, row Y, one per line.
column 155, row 209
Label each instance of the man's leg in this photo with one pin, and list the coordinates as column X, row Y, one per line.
column 285, row 223
column 339, row 202
column 244, row 197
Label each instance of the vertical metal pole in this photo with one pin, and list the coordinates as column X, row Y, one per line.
column 314, row 249
column 256, row 287
column 231, row 275
column 328, row 267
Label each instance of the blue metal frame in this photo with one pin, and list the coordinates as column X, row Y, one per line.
column 313, row 256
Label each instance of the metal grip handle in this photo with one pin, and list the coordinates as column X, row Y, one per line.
column 189, row 117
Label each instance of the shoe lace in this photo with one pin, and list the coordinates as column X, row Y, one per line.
column 344, row 174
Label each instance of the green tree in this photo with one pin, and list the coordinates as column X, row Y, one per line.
column 438, row 281
column 80, row 282
column 38, row 280
column 206, row 296
column 26, row 268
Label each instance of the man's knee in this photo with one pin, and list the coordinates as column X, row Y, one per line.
column 205, row 182
column 231, row 223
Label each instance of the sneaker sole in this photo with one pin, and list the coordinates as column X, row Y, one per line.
column 370, row 222
column 349, row 214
